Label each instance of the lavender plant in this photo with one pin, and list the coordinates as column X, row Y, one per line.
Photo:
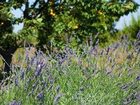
column 104, row 76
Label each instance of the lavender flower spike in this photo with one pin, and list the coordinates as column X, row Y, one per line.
column 39, row 68
column 138, row 78
column 56, row 98
column 15, row 103
column 16, row 82
column 40, row 96
column 138, row 34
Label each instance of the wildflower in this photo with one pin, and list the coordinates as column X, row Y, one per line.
column 108, row 49
column 124, row 87
column 22, row 74
column 32, row 60
column 40, row 96
column 61, row 61
column 93, row 50
column 102, row 52
column 138, row 34
column 16, row 82
column 56, row 98
column 138, row 78
column 15, row 103
column 39, row 67
column 38, row 71
column 68, row 51
column 116, row 45
column 110, row 59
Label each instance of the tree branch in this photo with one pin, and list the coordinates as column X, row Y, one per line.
column 35, row 3
column 26, row 11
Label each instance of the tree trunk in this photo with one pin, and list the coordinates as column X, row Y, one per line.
column 7, row 62
column 7, row 59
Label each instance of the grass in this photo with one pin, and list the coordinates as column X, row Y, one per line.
column 108, row 76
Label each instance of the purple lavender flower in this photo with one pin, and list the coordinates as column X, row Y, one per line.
column 14, row 102
column 92, row 50
column 56, row 98
column 125, row 87
column 110, row 59
column 102, row 52
column 38, row 70
column 22, row 74
column 115, row 46
column 16, row 82
column 39, row 67
column 69, row 51
column 32, row 60
column 108, row 49
column 40, row 96
column 138, row 78
column 138, row 34
column 61, row 61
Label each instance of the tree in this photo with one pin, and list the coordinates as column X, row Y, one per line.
column 57, row 21
column 36, row 19
column 8, row 43
column 87, row 18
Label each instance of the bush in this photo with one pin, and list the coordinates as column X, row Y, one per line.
column 133, row 28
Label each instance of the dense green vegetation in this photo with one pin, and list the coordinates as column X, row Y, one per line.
column 133, row 29
column 97, row 76
column 54, row 23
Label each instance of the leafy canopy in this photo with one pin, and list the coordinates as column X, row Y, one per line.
column 60, row 21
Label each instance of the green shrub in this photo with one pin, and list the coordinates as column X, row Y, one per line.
column 132, row 29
